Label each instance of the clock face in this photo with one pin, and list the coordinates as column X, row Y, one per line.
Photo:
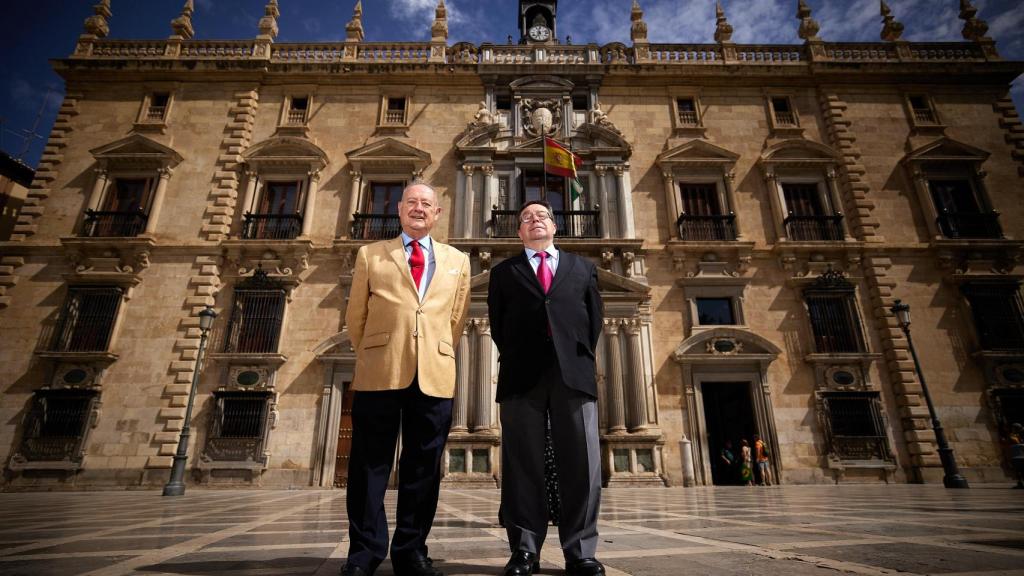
column 540, row 33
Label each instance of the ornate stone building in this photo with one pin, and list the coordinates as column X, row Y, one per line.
column 754, row 210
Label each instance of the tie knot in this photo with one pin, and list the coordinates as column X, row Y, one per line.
column 542, row 255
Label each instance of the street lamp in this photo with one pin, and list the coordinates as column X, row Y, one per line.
column 176, row 485
column 952, row 478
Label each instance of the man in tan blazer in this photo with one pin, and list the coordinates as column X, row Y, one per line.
column 405, row 314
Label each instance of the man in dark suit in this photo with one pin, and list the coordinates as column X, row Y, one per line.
column 546, row 316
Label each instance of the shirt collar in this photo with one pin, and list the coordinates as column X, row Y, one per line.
column 425, row 242
column 551, row 251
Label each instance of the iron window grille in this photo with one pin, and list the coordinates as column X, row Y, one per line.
column 56, row 424
column 856, row 430
column 238, row 429
column 256, row 317
column 832, row 306
column 86, row 321
column 998, row 312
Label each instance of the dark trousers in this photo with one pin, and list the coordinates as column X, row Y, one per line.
column 577, row 459
column 377, row 417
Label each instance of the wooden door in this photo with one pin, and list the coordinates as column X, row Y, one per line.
column 344, row 438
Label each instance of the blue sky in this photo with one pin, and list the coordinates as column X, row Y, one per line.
column 42, row 29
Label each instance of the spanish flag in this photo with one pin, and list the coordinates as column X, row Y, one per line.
column 560, row 161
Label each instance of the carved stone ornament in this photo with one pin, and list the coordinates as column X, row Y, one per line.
column 724, row 346
column 542, row 117
column 599, row 118
column 483, row 116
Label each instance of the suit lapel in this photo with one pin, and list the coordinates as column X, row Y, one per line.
column 566, row 262
column 529, row 277
column 440, row 268
column 397, row 251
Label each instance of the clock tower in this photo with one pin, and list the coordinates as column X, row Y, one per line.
column 537, row 21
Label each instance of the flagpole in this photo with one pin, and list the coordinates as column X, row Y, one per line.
column 544, row 157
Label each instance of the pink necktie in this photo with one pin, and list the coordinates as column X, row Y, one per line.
column 543, row 272
column 416, row 262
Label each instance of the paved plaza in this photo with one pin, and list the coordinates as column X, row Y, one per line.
column 790, row 530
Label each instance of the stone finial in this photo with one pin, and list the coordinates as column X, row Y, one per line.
column 723, row 30
column 182, row 25
column 96, row 24
column 974, row 27
column 638, row 30
column 268, row 24
column 354, row 28
column 892, row 29
column 808, row 26
column 439, row 30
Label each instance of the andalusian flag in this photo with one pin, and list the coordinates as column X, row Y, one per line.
column 560, row 161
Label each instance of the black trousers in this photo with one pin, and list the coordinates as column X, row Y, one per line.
column 377, row 417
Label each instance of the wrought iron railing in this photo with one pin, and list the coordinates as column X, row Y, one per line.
column 981, row 225
column 835, row 323
column 86, row 321
column 856, row 430
column 375, row 226
column 814, row 228
column 568, row 223
column 55, row 425
column 256, row 319
column 707, row 228
column 860, row 447
column 114, row 224
column 238, row 428
column 271, row 226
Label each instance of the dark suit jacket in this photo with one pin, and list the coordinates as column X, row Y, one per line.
column 520, row 314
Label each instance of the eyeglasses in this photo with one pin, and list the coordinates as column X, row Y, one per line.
column 536, row 217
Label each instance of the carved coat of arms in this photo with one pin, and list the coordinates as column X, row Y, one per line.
column 541, row 117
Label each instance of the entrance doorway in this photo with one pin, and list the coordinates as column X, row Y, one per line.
column 344, row 438
column 728, row 416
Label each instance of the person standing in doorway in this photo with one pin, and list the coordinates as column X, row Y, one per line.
column 727, row 463
column 746, row 468
column 764, row 471
column 406, row 309
column 546, row 317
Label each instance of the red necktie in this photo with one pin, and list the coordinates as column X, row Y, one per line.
column 543, row 272
column 416, row 262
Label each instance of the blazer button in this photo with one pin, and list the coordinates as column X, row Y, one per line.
column 415, row 334
column 547, row 300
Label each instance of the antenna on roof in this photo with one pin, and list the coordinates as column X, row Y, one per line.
column 30, row 135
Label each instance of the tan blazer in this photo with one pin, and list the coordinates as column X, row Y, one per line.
column 397, row 337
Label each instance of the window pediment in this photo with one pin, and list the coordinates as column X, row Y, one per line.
column 697, row 153
column 726, row 343
column 541, row 83
column 946, row 150
column 387, row 155
column 797, row 153
column 137, row 151
column 287, row 151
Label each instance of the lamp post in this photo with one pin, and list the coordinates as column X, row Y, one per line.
column 952, row 477
column 176, row 485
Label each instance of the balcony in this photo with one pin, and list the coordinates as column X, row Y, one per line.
column 375, row 226
column 707, row 228
column 55, row 429
column 814, row 228
column 86, row 321
column 271, row 226
column 114, row 224
column 569, row 224
column 966, row 225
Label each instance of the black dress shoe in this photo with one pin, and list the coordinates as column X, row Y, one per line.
column 522, row 563
column 415, row 566
column 353, row 570
column 584, row 567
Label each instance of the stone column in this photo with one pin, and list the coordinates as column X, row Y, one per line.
column 671, row 204
column 353, row 199
column 602, row 194
column 460, row 409
column 156, row 205
column 482, row 402
column 602, row 385
column 467, row 216
column 637, row 383
column 490, row 197
column 771, row 184
column 834, row 200
column 250, row 190
column 616, row 406
column 98, row 187
column 625, row 200
column 310, row 209
column 729, row 175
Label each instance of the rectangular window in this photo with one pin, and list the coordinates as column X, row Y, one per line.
column 280, row 198
column 538, row 185
column 278, row 214
column 921, row 108
column 803, row 199
column 835, row 322
column 855, row 425
column 157, row 109
column 87, row 319
column 380, row 218
column 998, row 312
column 123, row 212
column 56, row 425
column 699, row 199
column 457, row 461
column 481, row 461
column 715, row 312
column 782, row 111
column 620, row 457
column 298, row 109
column 238, row 427
column 256, row 319
column 395, row 111
column 687, row 110
column 385, row 198
column 809, row 218
column 961, row 213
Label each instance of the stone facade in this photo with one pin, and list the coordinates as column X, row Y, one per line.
column 754, row 210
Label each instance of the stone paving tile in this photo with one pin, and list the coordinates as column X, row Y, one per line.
column 787, row 531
